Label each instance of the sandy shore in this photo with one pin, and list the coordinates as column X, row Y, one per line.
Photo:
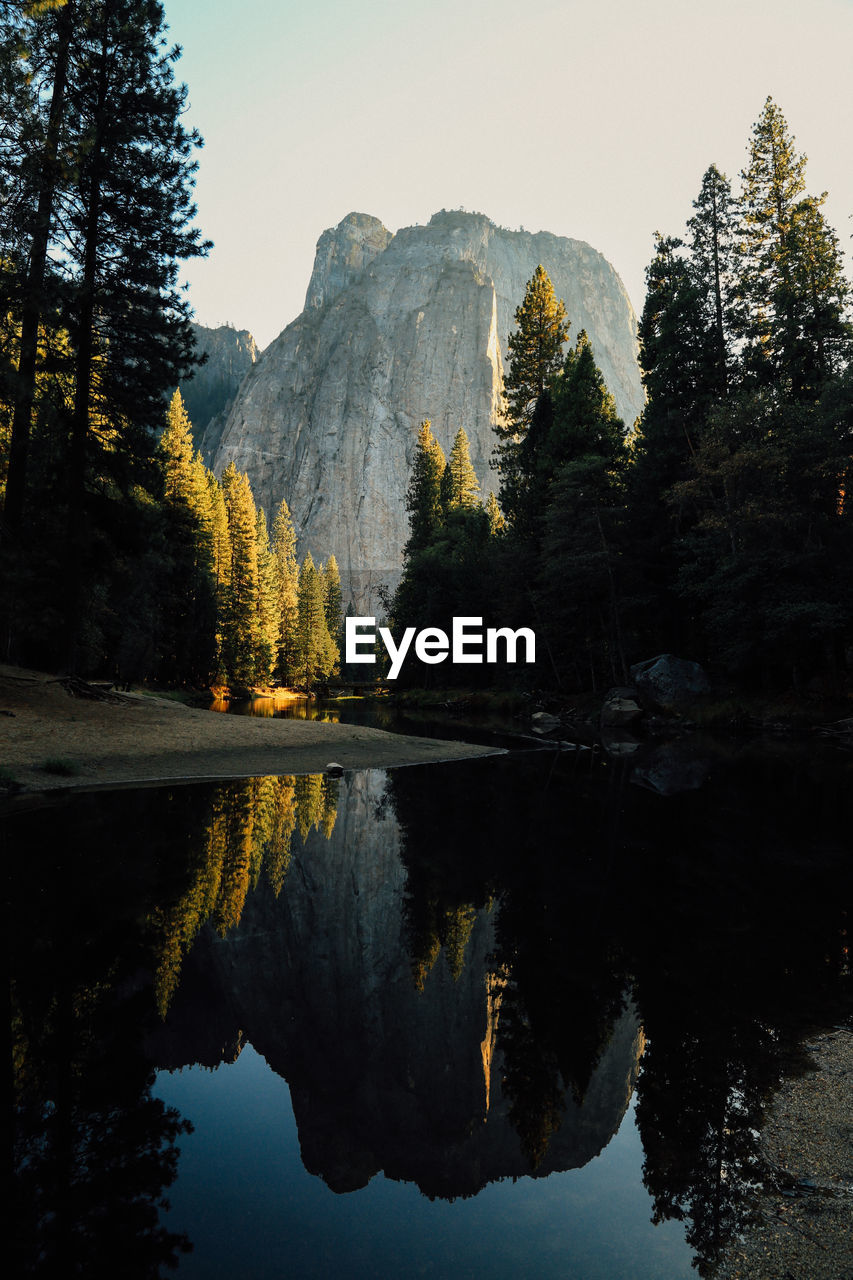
column 50, row 739
column 804, row 1209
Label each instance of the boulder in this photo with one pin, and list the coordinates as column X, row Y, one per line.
column 669, row 682
column 620, row 706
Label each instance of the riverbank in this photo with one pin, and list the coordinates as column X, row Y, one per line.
column 803, row 1227
column 51, row 739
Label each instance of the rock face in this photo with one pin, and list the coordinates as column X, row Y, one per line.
column 398, row 328
column 210, row 393
column 342, row 254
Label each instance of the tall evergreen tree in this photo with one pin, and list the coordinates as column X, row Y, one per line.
column 464, row 487
column 187, row 598
column 267, row 604
column 585, row 417
column 220, row 542
column 712, row 248
column 33, row 155
column 317, row 652
column 734, row 488
column 240, row 631
column 793, row 294
column 423, row 498
column 497, row 524
column 535, row 350
column 333, row 599
column 676, row 360
column 287, row 577
column 670, row 333
column 579, row 571
column 129, row 215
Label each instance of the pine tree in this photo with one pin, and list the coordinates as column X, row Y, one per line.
column 187, row 597
column 535, row 351
column 317, row 653
column 287, row 577
column 423, row 499
column 579, row 571
column 333, row 599
column 240, row 631
column 817, row 337
column 712, row 247
column 497, row 524
column 464, row 487
column 585, row 417
column 734, row 491
column 793, row 293
column 126, row 218
column 220, row 539
column 765, row 564
column 670, row 333
column 101, row 206
column 580, row 589
column 267, row 605
column 32, row 170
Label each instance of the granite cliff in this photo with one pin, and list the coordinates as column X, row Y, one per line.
column 210, row 393
column 398, row 328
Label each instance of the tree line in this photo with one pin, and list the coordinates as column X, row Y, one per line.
column 236, row 606
column 121, row 553
column 719, row 525
column 96, row 216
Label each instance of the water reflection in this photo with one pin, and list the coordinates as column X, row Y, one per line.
column 248, row 830
column 284, row 705
column 454, row 968
column 92, row 1150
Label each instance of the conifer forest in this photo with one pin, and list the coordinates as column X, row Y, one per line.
column 718, row 524
column 568, row 995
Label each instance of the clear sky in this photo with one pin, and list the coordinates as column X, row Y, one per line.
column 594, row 120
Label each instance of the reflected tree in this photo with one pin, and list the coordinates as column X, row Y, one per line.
column 93, row 1152
column 247, row 832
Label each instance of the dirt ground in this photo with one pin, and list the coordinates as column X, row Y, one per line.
column 804, row 1209
column 50, row 738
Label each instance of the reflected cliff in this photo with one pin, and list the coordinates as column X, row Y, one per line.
column 463, row 973
column 394, row 1064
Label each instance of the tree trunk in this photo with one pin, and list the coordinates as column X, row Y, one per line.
column 15, row 500
column 83, row 367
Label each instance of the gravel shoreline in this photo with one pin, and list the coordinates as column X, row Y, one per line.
column 804, row 1210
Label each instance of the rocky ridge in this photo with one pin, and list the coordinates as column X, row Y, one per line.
column 398, row 328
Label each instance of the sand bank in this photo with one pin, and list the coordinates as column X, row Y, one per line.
column 51, row 739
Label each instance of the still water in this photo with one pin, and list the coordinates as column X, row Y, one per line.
column 519, row 1016
column 383, row 712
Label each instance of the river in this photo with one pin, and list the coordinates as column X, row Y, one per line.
column 518, row 1016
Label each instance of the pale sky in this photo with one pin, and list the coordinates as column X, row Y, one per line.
column 594, row 120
